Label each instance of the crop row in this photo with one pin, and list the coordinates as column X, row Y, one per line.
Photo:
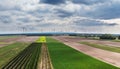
column 27, row 59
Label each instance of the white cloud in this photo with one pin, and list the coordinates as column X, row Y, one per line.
column 37, row 16
column 117, row 20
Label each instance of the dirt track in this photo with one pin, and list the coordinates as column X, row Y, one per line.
column 45, row 62
column 106, row 56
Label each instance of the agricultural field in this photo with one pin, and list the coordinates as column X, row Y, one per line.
column 6, row 40
column 6, row 37
column 64, row 57
column 27, row 59
column 34, row 52
column 101, row 54
column 104, row 47
column 10, row 51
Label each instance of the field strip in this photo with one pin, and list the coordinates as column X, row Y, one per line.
column 105, row 56
column 101, row 46
column 45, row 58
column 27, row 59
column 65, row 57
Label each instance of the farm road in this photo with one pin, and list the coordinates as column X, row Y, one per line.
column 45, row 62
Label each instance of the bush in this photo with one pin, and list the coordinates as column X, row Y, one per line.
column 107, row 36
column 118, row 37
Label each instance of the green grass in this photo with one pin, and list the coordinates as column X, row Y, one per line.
column 116, row 40
column 64, row 57
column 104, row 47
column 3, row 43
column 10, row 51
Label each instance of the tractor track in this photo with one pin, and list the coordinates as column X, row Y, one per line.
column 45, row 58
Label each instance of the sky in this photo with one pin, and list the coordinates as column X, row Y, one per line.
column 81, row 16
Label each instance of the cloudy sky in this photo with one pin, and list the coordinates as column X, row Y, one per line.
column 83, row 16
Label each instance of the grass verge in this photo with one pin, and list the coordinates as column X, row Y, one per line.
column 116, row 40
column 64, row 57
column 104, row 47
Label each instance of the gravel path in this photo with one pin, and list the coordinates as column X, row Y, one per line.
column 106, row 56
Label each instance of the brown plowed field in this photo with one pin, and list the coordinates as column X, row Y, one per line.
column 8, row 41
column 104, row 42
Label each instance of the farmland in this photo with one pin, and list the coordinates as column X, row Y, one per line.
column 27, row 59
column 10, row 51
column 16, row 45
column 104, row 47
column 7, row 37
column 64, row 57
column 32, row 52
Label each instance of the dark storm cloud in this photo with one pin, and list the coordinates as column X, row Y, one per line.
column 63, row 13
column 88, row 2
column 24, row 20
column 108, row 10
column 54, row 2
column 5, row 19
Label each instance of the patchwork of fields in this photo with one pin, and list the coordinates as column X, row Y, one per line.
column 39, row 53
column 64, row 57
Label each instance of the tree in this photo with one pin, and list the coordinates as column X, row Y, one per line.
column 107, row 36
column 119, row 37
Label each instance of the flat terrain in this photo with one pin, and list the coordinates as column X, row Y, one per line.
column 104, row 42
column 101, row 46
column 27, row 59
column 4, row 42
column 65, row 57
column 10, row 51
column 106, row 56
column 14, row 46
column 45, row 61
column 32, row 52
column 27, row 39
column 9, row 40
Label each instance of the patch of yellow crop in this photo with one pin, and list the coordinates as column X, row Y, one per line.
column 42, row 39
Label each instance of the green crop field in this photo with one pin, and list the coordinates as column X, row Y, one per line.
column 64, row 57
column 27, row 59
column 104, row 47
column 10, row 51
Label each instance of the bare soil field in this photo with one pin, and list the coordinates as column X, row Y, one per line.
column 106, row 56
column 8, row 41
column 26, row 39
column 104, row 42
